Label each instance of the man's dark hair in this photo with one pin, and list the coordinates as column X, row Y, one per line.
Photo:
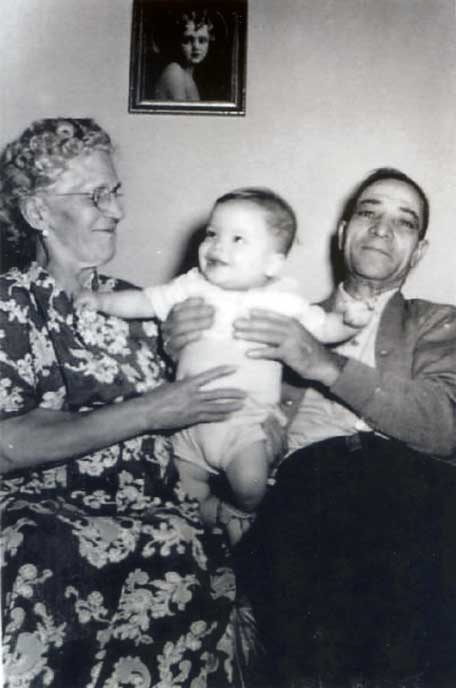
column 386, row 173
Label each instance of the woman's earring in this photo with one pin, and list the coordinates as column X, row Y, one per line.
column 44, row 233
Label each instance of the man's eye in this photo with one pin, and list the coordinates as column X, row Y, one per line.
column 365, row 213
column 407, row 223
column 238, row 239
column 210, row 234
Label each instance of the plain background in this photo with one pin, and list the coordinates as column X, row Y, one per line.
column 335, row 88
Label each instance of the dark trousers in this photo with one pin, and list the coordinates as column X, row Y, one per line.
column 351, row 568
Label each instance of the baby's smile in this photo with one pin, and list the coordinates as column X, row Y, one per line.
column 216, row 262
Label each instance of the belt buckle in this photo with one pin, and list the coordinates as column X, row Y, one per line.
column 354, row 442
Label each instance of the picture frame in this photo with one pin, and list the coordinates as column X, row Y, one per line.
column 188, row 57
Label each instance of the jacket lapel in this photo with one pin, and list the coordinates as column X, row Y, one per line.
column 391, row 347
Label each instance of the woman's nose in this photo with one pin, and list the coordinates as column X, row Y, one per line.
column 114, row 208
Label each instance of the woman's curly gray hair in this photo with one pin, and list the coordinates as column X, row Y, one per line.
column 34, row 161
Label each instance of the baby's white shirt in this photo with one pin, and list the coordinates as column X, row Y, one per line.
column 260, row 378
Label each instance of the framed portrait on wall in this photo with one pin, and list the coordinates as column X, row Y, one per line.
column 188, row 57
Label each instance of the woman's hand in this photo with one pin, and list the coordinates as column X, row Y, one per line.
column 61, row 434
column 285, row 339
column 184, row 325
column 176, row 405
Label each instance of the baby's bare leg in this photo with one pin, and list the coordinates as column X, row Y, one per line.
column 248, row 474
column 194, row 479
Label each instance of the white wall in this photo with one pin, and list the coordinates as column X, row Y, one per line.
column 334, row 89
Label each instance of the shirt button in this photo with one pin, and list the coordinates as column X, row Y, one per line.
column 384, row 352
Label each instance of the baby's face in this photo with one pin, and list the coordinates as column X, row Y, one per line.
column 239, row 251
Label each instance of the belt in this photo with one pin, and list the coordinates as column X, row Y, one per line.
column 358, row 441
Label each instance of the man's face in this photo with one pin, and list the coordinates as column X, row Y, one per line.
column 381, row 242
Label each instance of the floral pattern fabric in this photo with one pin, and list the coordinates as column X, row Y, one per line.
column 108, row 579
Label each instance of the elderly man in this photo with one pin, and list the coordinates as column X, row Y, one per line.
column 350, row 562
column 352, row 543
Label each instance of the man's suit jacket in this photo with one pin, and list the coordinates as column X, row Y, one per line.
column 411, row 394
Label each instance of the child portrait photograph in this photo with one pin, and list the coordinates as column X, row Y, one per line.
column 188, row 57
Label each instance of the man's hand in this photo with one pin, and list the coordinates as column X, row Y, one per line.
column 285, row 339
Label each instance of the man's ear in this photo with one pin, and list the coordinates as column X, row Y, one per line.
column 34, row 212
column 341, row 234
column 275, row 264
column 419, row 252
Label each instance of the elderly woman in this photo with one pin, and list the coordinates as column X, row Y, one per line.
column 108, row 578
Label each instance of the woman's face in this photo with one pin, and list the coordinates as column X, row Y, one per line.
column 195, row 43
column 81, row 228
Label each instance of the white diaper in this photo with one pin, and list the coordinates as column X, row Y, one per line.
column 213, row 446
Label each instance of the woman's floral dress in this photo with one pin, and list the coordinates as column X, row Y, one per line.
column 108, row 579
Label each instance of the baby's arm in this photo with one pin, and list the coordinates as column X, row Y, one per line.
column 334, row 329
column 330, row 327
column 345, row 320
column 128, row 303
column 339, row 324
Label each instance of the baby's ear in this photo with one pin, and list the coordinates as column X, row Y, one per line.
column 275, row 264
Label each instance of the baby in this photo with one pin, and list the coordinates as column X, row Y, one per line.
column 249, row 234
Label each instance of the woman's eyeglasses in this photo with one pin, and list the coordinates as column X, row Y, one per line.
column 101, row 198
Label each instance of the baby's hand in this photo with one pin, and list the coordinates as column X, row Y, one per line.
column 87, row 299
column 357, row 313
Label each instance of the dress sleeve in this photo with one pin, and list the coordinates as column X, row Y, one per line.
column 26, row 357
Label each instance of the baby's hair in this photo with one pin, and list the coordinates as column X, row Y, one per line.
column 280, row 215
